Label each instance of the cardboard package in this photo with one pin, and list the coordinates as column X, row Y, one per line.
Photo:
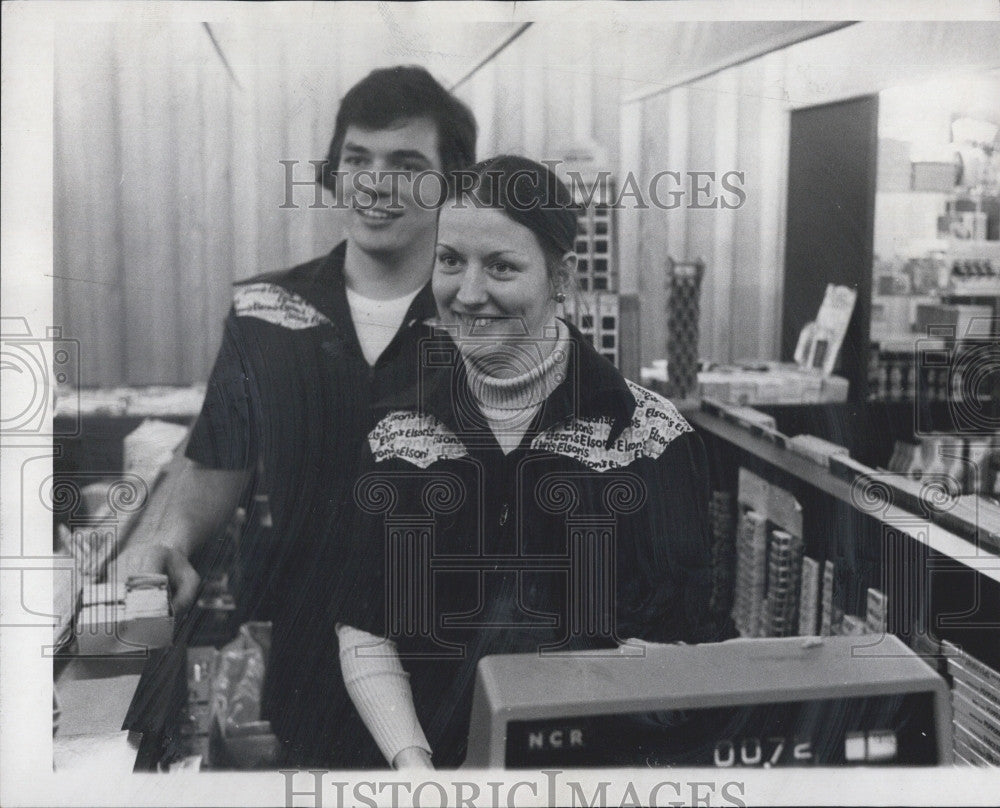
column 125, row 617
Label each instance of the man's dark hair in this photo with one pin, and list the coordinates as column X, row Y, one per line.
column 392, row 94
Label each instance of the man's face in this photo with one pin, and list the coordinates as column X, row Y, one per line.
column 381, row 167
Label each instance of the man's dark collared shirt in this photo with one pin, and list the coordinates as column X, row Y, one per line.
column 290, row 397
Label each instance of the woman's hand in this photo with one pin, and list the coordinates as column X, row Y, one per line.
column 413, row 757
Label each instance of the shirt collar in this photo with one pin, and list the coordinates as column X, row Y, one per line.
column 323, row 285
column 593, row 388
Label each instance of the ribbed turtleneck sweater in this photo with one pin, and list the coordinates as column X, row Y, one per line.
column 510, row 403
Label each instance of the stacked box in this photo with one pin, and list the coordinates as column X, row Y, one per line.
column 125, row 617
column 751, row 573
column 826, row 615
column 750, row 419
column 975, row 707
column 774, row 384
column 893, row 371
column 597, row 316
column 809, row 597
column 876, row 618
column 816, row 449
column 784, row 571
column 595, row 247
column 722, row 517
column 683, row 313
column 850, row 625
column 768, row 559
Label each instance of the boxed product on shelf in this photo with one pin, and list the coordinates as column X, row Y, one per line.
column 933, row 316
column 978, row 697
column 809, row 597
column 751, row 573
column 962, row 466
column 122, row 617
column 972, row 516
column 977, row 518
column 892, row 371
column 770, row 383
column 784, row 570
column 986, row 749
column 768, row 559
column 827, row 617
column 755, row 421
column 968, row 756
column 975, row 706
column 820, row 340
column 851, row 625
column 877, row 613
column 975, row 720
column 722, row 518
column 975, row 269
column 971, row 670
column 960, row 760
column 816, row 449
column 598, row 316
column 833, row 389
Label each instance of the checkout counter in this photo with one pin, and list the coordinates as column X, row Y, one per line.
column 800, row 701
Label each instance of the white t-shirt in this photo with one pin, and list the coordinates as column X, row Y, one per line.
column 377, row 321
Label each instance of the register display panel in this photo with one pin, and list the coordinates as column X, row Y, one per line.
column 877, row 730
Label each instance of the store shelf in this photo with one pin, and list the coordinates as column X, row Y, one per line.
column 938, row 539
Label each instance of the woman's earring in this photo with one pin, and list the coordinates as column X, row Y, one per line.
column 560, row 297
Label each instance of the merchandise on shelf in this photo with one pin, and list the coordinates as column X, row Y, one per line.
column 751, row 573
column 122, row 617
column 722, row 518
column 827, row 616
column 877, row 614
column 595, row 246
column 768, row 559
column 598, row 316
column 975, row 707
column 784, row 571
column 816, row 449
column 683, row 311
column 770, row 383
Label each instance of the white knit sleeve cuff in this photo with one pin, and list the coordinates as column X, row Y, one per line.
column 380, row 690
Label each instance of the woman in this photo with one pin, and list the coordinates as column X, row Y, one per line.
column 527, row 498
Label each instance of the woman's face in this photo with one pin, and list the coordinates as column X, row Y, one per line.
column 490, row 279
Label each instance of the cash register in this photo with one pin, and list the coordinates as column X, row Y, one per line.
column 799, row 701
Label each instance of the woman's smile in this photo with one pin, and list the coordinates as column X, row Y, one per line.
column 490, row 276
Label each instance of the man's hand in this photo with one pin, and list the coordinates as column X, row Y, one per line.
column 191, row 505
column 148, row 557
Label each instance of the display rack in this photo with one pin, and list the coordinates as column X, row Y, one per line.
column 950, row 580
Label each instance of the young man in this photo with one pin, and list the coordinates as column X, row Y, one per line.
column 305, row 354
